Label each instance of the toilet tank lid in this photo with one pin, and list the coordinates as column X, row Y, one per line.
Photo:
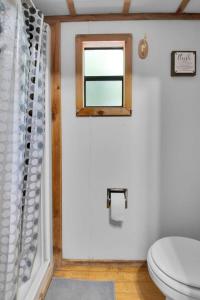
column 178, row 258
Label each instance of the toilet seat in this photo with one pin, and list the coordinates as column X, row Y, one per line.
column 176, row 262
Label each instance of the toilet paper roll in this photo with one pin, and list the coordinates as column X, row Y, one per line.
column 117, row 206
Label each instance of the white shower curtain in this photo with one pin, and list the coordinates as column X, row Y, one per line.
column 22, row 80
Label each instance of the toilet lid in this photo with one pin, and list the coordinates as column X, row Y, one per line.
column 178, row 258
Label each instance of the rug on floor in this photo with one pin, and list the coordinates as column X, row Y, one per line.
column 68, row 289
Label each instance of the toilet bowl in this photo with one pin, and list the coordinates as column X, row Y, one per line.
column 174, row 266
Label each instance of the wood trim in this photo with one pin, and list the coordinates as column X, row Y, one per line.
column 79, row 74
column 56, row 142
column 101, row 263
column 128, row 74
column 103, row 111
column 91, row 40
column 124, row 17
column 45, row 283
column 71, row 7
column 182, row 6
column 126, row 7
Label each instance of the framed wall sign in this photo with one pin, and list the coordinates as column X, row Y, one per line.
column 183, row 63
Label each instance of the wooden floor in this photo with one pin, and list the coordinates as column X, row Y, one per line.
column 131, row 282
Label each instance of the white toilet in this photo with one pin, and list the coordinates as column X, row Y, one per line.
column 174, row 266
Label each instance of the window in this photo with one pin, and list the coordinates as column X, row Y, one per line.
column 103, row 75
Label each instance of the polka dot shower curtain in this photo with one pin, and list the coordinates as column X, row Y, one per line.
column 22, row 86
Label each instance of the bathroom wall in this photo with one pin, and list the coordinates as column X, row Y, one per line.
column 155, row 153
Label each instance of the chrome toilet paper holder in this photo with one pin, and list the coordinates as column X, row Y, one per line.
column 110, row 191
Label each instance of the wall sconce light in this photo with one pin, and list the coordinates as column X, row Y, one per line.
column 143, row 48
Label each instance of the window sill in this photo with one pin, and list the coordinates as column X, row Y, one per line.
column 103, row 112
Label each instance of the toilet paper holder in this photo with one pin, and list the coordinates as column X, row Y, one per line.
column 114, row 190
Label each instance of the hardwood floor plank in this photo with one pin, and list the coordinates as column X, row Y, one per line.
column 99, row 276
column 122, row 296
column 131, row 283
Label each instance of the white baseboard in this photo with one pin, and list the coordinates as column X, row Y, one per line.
column 44, row 282
column 38, row 283
column 41, row 282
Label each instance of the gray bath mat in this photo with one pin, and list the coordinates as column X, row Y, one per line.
column 67, row 289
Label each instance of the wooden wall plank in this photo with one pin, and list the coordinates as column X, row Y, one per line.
column 124, row 17
column 182, row 6
column 126, row 7
column 56, row 142
column 71, row 7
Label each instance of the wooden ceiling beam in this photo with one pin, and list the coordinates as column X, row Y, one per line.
column 182, row 6
column 126, row 7
column 123, row 17
column 71, row 7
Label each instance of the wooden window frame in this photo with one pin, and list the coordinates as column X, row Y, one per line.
column 101, row 40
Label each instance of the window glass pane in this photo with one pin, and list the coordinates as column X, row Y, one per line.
column 102, row 62
column 104, row 93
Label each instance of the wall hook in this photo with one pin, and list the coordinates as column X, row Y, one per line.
column 143, row 48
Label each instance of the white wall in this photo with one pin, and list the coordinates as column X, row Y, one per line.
column 155, row 153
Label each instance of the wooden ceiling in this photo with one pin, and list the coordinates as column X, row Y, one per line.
column 179, row 14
